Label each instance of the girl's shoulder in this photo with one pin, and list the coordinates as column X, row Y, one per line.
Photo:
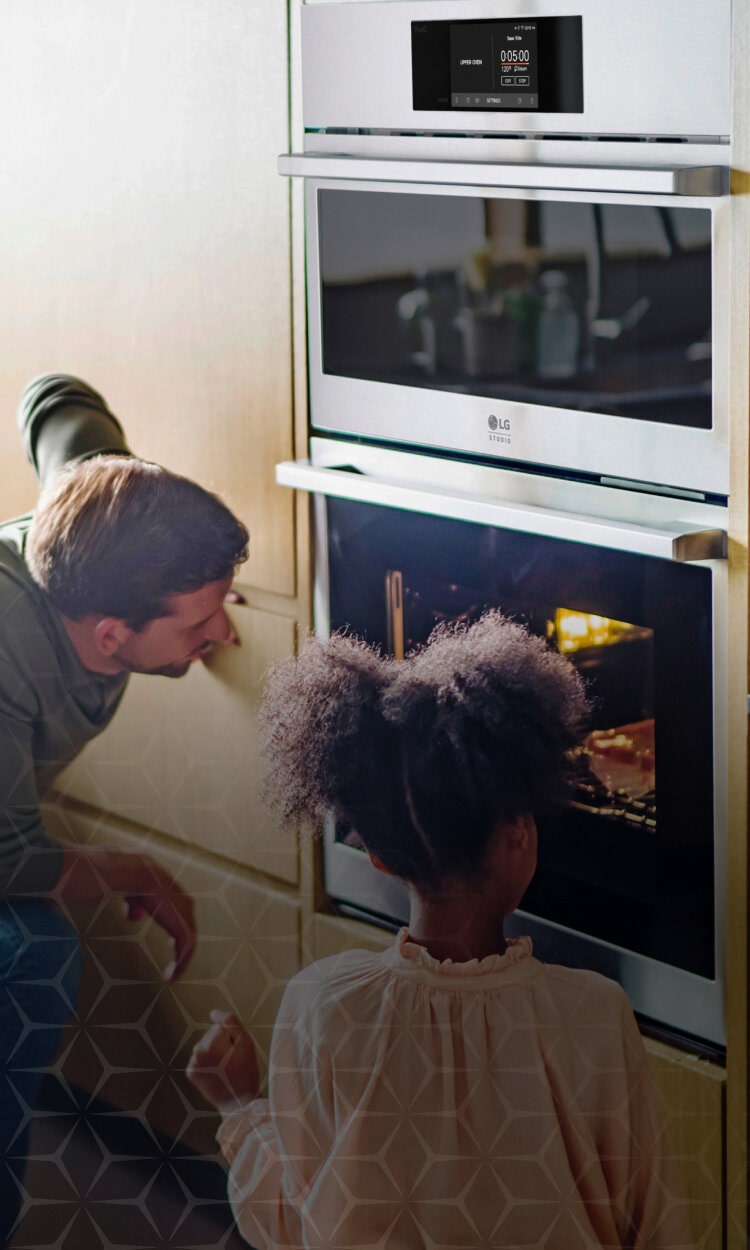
column 585, row 997
column 335, row 977
column 583, row 980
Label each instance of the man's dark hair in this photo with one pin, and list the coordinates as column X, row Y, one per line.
column 117, row 536
column 423, row 757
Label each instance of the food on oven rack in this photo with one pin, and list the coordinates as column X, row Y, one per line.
column 616, row 773
column 624, row 758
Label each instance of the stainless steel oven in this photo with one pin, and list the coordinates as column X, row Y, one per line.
column 518, row 327
column 631, row 876
column 532, row 269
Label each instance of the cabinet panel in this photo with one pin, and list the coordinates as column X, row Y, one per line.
column 333, row 934
column 147, row 238
column 133, row 1035
column 181, row 756
column 693, row 1097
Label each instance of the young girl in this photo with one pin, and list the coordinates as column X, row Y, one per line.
column 452, row 1092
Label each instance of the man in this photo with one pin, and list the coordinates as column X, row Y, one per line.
column 123, row 567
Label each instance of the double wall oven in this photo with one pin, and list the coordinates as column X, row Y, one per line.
column 517, row 294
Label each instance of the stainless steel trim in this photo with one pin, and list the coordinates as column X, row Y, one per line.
column 669, row 541
column 705, row 180
column 650, row 506
column 321, row 588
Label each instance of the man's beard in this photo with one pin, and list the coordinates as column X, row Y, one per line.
column 167, row 670
column 163, row 670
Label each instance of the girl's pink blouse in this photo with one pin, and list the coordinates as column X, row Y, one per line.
column 417, row 1102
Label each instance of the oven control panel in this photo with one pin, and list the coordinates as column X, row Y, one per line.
column 647, row 69
column 515, row 64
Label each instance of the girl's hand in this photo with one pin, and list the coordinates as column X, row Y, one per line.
column 223, row 1066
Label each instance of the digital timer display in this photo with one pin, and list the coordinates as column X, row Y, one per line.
column 494, row 64
column 518, row 65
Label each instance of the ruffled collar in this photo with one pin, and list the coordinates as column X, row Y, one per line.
column 518, row 950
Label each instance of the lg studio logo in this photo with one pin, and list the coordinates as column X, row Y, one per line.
column 499, row 429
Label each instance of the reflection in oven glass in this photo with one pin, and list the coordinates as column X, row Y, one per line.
column 600, row 308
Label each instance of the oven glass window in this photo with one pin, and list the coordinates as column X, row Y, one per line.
column 604, row 308
column 628, row 858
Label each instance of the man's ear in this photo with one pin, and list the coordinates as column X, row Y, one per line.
column 109, row 635
column 378, row 863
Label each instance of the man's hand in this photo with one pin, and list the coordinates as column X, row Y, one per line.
column 223, row 1066
column 95, row 872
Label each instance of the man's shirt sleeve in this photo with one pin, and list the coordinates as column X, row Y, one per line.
column 61, row 419
column 30, row 861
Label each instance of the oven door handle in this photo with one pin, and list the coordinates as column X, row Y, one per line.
column 704, row 180
column 674, row 541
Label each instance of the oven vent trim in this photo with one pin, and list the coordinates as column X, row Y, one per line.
column 531, row 136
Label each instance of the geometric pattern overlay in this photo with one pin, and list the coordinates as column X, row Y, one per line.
column 128, row 1046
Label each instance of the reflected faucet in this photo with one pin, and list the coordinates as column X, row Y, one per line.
column 612, row 327
column 413, row 311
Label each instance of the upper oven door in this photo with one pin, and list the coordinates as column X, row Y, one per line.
column 538, row 321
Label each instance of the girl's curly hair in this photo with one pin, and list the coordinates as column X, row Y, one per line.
column 423, row 757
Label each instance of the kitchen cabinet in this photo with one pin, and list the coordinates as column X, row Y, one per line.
column 147, row 239
column 133, row 1034
column 147, row 242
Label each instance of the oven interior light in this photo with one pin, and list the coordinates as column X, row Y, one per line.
column 573, row 631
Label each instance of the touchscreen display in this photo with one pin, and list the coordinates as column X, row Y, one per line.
column 494, row 65
column 512, row 64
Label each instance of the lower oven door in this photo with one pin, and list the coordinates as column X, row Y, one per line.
column 631, row 870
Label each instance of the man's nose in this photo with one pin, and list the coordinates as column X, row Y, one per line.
column 219, row 629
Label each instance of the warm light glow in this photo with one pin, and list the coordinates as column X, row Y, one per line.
column 575, row 630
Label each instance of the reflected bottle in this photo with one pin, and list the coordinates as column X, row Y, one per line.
column 559, row 329
column 524, row 305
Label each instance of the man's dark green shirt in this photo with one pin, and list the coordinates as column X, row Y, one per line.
column 50, row 705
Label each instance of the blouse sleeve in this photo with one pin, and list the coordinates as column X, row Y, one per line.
column 276, row 1146
column 253, row 1150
